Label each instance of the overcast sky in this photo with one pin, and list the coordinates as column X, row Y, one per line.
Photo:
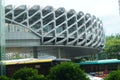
column 106, row 10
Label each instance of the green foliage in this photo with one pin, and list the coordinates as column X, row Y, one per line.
column 36, row 77
column 25, row 73
column 114, row 75
column 4, row 78
column 113, row 46
column 66, row 71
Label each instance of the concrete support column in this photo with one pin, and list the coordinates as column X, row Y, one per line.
column 97, row 56
column 35, row 53
column 59, row 53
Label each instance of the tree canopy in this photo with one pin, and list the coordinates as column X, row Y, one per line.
column 112, row 44
column 114, row 75
column 67, row 71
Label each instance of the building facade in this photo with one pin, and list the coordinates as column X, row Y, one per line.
column 47, row 31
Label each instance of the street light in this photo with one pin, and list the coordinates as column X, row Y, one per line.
column 119, row 5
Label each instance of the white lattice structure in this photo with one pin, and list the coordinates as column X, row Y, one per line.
column 58, row 26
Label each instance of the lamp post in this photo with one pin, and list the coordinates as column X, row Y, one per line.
column 2, row 37
column 119, row 13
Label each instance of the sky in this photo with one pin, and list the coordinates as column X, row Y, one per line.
column 105, row 10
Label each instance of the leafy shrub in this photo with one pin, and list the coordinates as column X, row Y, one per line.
column 4, row 78
column 25, row 73
column 114, row 75
column 66, row 71
column 36, row 77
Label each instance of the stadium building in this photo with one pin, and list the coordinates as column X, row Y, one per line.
column 36, row 31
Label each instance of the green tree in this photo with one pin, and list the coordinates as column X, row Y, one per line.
column 112, row 46
column 25, row 73
column 114, row 75
column 66, row 71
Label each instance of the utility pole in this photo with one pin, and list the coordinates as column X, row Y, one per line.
column 2, row 37
column 119, row 5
